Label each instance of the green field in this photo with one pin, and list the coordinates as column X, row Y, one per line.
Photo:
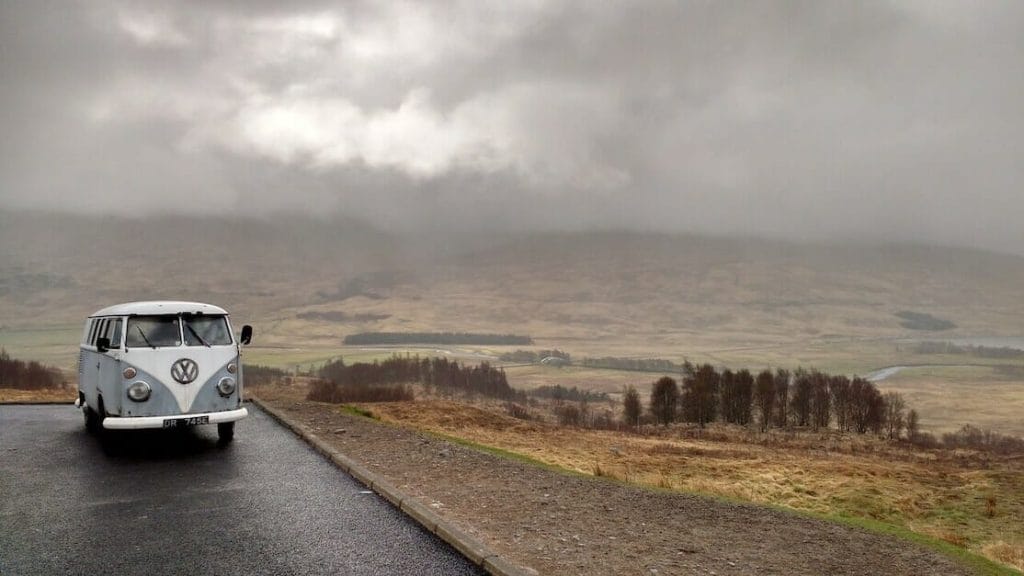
column 948, row 393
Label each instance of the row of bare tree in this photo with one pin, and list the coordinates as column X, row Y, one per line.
column 24, row 375
column 340, row 382
column 779, row 399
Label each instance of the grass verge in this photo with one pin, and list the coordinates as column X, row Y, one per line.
column 703, row 457
column 979, row 564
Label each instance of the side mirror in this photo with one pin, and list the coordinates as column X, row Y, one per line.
column 246, row 334
column 102, row 344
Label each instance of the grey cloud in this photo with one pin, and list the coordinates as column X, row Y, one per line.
column 798, row 119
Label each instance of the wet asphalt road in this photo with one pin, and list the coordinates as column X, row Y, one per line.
column 174, row 502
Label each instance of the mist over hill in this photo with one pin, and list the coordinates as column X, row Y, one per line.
column 585, row 285
column 60, row 266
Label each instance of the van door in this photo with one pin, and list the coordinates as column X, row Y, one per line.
column 109, row 368
column 94, row 362
column 87, row 369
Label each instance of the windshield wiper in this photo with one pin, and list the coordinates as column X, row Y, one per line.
column 196, row 334
column 143, row 334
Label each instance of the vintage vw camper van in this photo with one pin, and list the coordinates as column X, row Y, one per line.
column 161, row 365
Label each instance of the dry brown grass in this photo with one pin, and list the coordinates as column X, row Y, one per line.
column 949, row 397
column 1009, row 554
column 937, row 493
column 44, row 395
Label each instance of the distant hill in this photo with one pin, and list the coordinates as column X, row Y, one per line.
column 59, row 267
column 327, row 279
column 673, row 288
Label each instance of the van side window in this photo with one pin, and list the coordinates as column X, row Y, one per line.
column 100, row 331
column 114, row 332
column 87, row 339
column 92, row 333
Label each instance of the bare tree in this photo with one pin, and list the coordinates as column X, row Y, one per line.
column 736, row 396
column 781, row 398
column 727, row 396
column 800, row 403
column 913, row 425
column 664, row 399
column 631, row 408
column 867, row 408
column 764, row 397
column 700, row 395
column 5, row 369
column 821, row 411
column 744, row 383
column 30, row 375
column 895, row 414
column 839, row 388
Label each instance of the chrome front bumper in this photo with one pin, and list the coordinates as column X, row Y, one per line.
column 139, row 422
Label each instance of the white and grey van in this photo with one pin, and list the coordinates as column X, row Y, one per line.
column 161, row 365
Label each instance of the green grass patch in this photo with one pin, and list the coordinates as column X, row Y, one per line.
column 979, row 564
column 357, row 411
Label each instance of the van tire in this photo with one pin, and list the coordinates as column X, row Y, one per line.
column 93, row 423
column 226, row 432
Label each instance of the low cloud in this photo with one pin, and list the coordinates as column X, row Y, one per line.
column 882, row 120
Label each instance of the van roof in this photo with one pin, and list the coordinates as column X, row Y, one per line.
column 159, row 307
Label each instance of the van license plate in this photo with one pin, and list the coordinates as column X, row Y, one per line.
column 191, row 421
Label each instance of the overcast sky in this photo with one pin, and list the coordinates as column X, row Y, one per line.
column 895, row 120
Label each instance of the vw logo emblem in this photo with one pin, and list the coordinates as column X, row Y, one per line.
column 185, row 370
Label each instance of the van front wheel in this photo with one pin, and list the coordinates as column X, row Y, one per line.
column 92, row 419
column 226, row 431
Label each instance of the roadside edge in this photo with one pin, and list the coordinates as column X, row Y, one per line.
column 470, row 547
column 36, row 402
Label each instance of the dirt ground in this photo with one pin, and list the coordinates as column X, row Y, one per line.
column 557, row 523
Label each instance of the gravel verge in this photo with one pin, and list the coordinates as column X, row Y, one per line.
column 558, row 523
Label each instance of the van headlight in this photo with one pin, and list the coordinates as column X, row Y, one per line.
column 128, row 373
column 226, row 386
column 139, row 391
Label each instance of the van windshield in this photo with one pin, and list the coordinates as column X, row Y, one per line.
column 203, row 330
column 153, row 331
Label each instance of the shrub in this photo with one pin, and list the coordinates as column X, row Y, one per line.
column 336, row 393
column 574, row 394
column 256, row 375
column 925, row 440
column 364, row 338
column 923, row 321
column 975, row 438
column 568, row 415
column 439, row 374
column 635, row 364
column 517, row 411
column 30, row 375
